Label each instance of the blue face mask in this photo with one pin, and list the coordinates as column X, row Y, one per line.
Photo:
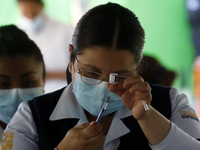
column 92, row 97
column 10, row 100
column 33, row 25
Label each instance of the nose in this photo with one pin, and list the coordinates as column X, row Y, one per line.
column 14, row 84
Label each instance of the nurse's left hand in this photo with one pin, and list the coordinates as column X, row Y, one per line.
column 133, row 92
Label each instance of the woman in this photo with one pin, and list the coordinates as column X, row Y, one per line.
column 22, row 72
column 107, row 39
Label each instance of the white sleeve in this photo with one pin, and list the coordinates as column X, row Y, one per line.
column 177, row 140
column 185, row 126
column 21, row 133
column 183, row 115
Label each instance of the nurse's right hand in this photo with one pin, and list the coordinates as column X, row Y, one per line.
column 83, row 137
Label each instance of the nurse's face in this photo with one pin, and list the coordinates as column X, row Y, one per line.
column 30, row 9
column 104, row 61
column 20, row 72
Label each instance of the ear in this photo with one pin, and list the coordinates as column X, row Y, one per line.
column 70, row 63
column 70, row 48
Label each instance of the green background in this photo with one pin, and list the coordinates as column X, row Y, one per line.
column 168, row 33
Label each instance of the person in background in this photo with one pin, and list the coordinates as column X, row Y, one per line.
column 108, row 40
column 193, row 12
column 51, row 36
column 22, row 71
column 154, row 72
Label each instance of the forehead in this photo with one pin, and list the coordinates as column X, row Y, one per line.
column 110, row 59
column 19, row 64
column 28, row 5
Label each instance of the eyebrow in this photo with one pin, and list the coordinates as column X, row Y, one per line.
column 126, row 71
column 97, row 69
column 28, row 73
column 123, row 71
column 4, row 76
column 92, row 67
column 23, row 75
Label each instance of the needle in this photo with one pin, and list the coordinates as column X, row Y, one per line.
column 102, row 110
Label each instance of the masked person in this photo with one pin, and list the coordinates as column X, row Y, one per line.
column 108, row 40
column 51, row 36
column 22, row 72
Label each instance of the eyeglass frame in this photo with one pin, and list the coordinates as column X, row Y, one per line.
column 101, row 79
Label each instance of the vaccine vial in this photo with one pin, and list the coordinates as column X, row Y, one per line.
column 113, row 78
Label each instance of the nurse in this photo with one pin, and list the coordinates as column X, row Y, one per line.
column 22, row 72
column 107, row 39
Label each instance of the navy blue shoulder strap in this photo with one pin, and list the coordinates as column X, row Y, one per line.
column 50, row 133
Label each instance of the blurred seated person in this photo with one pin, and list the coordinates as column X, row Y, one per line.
column 22, row 72
column 51, row 36
column 155, row 73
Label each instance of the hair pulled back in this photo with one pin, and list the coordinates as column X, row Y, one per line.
column 111, row 26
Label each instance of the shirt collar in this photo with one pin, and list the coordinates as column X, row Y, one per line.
column 68, row 107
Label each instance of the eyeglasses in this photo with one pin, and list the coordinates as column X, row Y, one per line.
column 94, row 78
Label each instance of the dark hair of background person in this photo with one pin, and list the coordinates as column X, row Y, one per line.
column 15, row 42
column 40, row 1
column 154, row 72
column 109, row 26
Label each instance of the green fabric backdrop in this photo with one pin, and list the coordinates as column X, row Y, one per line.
column 165, row 22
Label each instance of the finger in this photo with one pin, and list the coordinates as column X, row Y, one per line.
column 92, row 131
column 117, row 89
column 116, row 86
column 93, row 123
column 92, row 143
column 140, row 86
column 97, row 141
column 82, row 126
column 132, row 80
column 143, row 96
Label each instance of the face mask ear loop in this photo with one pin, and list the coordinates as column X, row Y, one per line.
column 73, row 66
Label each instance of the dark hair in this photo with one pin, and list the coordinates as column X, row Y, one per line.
column 154, row 72
column 40, row 1
column 15, row 42
column 111, row 26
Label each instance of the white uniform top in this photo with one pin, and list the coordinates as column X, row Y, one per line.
column 53, row 38
column 22, row 129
